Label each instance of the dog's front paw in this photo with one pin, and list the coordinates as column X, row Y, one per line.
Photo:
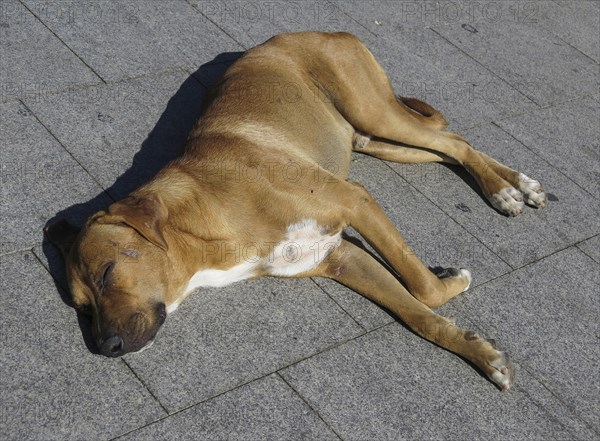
column 508, row 201
column 533, row 191
column 462, row 274
column 501, row 371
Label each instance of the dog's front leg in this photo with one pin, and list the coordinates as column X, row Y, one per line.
column 365, row 215
column 355, row 268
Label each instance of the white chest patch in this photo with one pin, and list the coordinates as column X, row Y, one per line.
column 306, row 244
column 216, row 278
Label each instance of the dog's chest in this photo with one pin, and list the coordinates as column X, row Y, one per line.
column 304, row 247
column 306, row 244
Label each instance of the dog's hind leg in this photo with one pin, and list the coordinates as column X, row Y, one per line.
column 397, row 152
column 355, row 268
column 397, row 125
column 365, row 98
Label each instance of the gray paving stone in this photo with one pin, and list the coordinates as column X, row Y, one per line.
column 127, row 39
column 567, row 136
column 546, row 316
column 124, row 133
column 570, row 2
column 569, row 217
column 264, row 409
column 584, row 36
column 367, row 313
column 39, row 179
column 34, row 62
column 591, row 247
column 251, row 23
column 222, row 338
column 529, row 58
column 52, row 387
column 392, row 385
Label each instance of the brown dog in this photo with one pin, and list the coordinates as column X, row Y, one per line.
column 261, row 190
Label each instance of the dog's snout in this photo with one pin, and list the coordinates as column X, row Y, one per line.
column 112, row 346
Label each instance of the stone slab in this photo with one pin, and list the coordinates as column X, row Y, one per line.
column 121, row 40
column 531, row 59
column 392, row 385
column 591, row 247
column 545, row 316
column 33, row 61
column 251, row 23
column 40, row 181
column 583, row 36
column 52, row 386
column 124, row 133
column 264, row 409
column 385, row 17
column 424, row 65
column 567, row 136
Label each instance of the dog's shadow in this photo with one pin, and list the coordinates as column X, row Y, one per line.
column 163, row 144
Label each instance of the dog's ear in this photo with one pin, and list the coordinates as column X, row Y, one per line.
column 147, row 215
column 63, row 235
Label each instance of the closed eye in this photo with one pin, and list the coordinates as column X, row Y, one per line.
column 106, row 273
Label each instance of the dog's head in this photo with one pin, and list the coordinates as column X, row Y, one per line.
column 117, row 270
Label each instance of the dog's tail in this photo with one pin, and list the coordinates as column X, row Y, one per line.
column 424, row 112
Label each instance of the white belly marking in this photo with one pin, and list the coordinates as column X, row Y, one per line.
column 306, row 244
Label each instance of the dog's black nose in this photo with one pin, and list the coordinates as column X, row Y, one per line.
column 112, row 346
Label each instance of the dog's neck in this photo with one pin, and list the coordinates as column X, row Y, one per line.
column 195, row 230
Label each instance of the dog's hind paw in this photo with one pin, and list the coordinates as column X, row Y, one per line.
column 533, row 191
column 501, row 371
column 508, row 201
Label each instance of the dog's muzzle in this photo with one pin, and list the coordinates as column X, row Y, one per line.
column 117, row 344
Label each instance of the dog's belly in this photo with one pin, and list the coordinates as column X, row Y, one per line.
column 306, row 244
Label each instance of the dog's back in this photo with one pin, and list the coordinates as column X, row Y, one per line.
column 286, row 95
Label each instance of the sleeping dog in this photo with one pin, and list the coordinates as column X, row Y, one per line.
column 284, row 211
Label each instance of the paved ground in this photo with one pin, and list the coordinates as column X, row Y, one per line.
column 97, row 96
